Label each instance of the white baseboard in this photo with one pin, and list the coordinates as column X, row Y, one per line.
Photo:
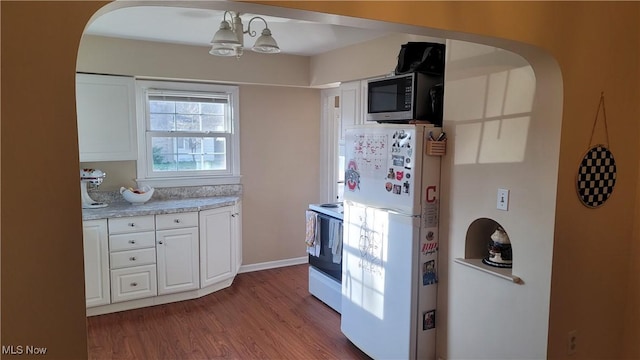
column 273, row 264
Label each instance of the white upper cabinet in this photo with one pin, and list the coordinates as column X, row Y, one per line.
column 106, row 117
column 350, row 107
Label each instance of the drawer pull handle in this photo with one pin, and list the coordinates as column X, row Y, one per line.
column 132, row 224
column 177, row 221
column 132, row 241
column 134, row 284
column 133, row 258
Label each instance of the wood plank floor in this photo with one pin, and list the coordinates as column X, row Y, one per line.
column 263, row 315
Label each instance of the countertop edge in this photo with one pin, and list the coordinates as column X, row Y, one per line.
column 124, row 209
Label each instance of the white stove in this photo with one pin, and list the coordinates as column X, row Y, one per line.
column 335, row 210
column 325, row 275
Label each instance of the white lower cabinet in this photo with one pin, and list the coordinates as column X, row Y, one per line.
column 155, row 259
column 96, row 262
column 132, row 258
column 177, row 253
column 217, row 255
column 133, row 283
column 236, row 236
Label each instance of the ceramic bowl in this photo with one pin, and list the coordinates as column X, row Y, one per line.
column 137, row 196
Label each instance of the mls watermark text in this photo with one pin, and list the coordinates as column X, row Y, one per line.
column 23, row 350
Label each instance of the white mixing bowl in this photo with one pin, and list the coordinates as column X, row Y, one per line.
column 136, row 199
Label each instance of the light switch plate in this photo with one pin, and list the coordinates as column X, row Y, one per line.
column 503, row 199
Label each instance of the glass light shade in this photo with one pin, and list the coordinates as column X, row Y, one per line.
column 266, row 43
column 222, row 50
column 225, row 36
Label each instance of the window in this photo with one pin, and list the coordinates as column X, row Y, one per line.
column 188, row 134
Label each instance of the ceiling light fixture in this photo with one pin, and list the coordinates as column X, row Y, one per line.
column 229, row 39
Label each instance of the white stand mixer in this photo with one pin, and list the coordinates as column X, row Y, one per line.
column 94, row 177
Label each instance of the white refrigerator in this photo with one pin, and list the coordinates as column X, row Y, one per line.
column 391, row 205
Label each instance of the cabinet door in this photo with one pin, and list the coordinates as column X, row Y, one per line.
column 177, row 260
column 106, row 117
column 236, row 234
column 96, row 262
column 134, row 283
column 217, row 255
column 350, row 110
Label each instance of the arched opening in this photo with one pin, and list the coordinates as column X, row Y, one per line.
column 484, row 130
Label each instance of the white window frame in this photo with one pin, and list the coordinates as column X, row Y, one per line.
column 145, row 176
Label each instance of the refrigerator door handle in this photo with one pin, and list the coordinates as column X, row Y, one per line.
column 390, row 211
column 396, row 212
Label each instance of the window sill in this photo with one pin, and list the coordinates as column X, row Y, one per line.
column 190, row 181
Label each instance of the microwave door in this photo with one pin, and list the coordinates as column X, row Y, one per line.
column 390, row 99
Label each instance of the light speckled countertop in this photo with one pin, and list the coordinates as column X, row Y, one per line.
column 153, row 207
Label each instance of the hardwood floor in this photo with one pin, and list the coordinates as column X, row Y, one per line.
column 263, row 315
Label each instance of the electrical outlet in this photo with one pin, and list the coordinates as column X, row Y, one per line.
column 503, row 199
column 572, row 342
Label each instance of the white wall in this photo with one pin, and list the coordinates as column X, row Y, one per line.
column 105, row 55
column 499, row 137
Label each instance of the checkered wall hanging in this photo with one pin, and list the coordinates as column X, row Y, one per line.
column 597, row 172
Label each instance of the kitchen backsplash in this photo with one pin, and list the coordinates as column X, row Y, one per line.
column 170, row 193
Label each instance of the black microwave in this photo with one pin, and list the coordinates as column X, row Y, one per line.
column 406, row 97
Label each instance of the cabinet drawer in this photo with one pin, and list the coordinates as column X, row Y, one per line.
column 132, row 241
column 177, row 220
column 130, row 258
column 131, row 224
column 133, row 283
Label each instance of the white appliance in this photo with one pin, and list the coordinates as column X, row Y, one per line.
column 90, row 177
column 325, row 271
column 391, row 204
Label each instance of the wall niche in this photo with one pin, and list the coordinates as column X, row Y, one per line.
column 477, row 248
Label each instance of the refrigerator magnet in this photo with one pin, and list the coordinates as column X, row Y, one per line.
column 352, row 176
column 391, row 174
column 398, row 160
column 388, row 186
column 429, row 273
column 429, row 320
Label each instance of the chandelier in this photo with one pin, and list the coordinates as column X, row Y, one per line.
column 229, row 39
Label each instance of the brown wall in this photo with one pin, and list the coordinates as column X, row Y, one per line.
column 42, row 270
column 595, row 43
